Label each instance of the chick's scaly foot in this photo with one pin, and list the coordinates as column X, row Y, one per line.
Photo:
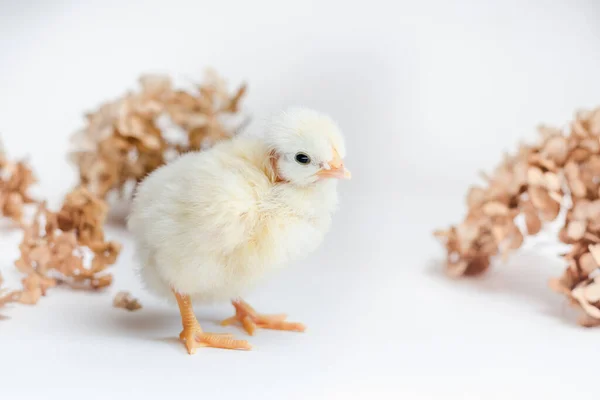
column 251, row 320
column 193, row 337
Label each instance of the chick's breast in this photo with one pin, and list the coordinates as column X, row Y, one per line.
column 194, row 222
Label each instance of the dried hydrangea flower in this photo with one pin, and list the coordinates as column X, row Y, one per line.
column 54, row 246
column 559, row 172
column 122, row 141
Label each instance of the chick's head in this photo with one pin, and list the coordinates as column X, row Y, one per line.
column 306, row 147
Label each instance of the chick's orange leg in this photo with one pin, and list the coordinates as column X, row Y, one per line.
column 193, row 336
column 250, row 319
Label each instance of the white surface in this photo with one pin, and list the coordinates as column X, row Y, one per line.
column 427, row 93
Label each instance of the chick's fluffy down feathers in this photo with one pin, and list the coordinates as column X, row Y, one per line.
column 211, row 224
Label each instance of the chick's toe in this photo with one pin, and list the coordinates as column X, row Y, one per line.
column 250, row 319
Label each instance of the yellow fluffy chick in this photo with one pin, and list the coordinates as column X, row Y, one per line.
column 211, row 224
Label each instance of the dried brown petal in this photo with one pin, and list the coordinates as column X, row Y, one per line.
column 535, row 177
column 442, row 234
column 595, row 252
column 475, row 196
column 593, row 165
column 587, row 293
column 578, row 129
column 495, row 209
column 233, row 103
column 9, row 297
column 578, row 188
column 154, row 85
column 552, row 181
column 517, row 238
column 578, row 155
column 576, row 230
column 556, row 148
column 563, row 236
column 573, row 176
column 557, row 197
column 532, row 219
column 547, row 132
column 594, row 123
column 542, row 201
column 126, row 301
column 588, row 322
column 102, row 281
column 15, row 181
column 6, row 296
column 500, row 232
column 30, row 296
column 558, row 286
column 592, row 293
column 581, row 210
column 591, row 145
column 457, row 269
column 477, row 266
column 587, row 264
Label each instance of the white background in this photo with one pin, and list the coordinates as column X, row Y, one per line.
column 427, row 93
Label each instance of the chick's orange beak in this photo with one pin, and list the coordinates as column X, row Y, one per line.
column 336, row 169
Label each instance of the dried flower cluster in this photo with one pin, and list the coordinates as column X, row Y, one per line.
column 528, row 189
column 54, row 246
column 123, row 140
column 66, row 247
column 15, row 180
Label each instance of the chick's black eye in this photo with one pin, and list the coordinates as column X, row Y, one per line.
column 302, row 158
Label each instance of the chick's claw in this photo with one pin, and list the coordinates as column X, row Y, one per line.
column 250, row 319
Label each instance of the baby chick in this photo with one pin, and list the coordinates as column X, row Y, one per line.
column 210, row 225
